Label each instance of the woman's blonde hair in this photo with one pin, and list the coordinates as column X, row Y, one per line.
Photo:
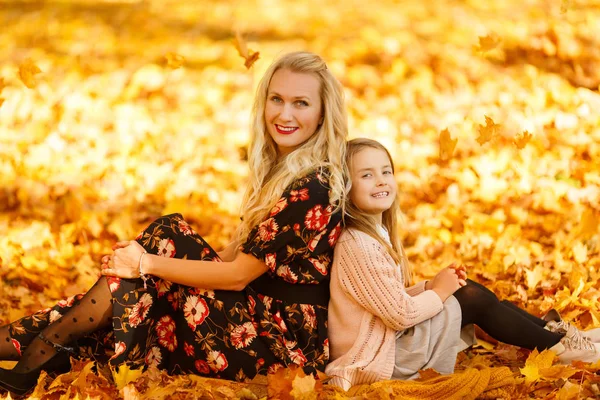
column 357, row 219
column 324, row 149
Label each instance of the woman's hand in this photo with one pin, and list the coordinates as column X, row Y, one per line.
column 106, row 258
column 448, row 281
column 124, row 261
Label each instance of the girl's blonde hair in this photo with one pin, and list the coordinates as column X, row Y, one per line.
column 324, row 149
column 357, row 219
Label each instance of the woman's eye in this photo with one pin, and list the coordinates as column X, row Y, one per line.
column 302, row 103
column 275, row 99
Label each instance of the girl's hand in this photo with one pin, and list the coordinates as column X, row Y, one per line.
column 461, row 271
column 123, row 263
column 446, row 282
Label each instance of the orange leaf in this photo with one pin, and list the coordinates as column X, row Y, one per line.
column 487, row 132
column 521, row 139
column 428, row 373
column 447, row 145
column 2, row 85
column 174, row 60
column 1, row 101
column 242, row 48
column 27, row 72
column 487, row 43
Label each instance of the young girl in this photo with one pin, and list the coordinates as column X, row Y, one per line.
column 168, row 299
column 381, row 327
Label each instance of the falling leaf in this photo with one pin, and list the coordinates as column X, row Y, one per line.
column 487, row 132
column 536, row 362
column 447, row 145
column 522, row 139
column 27, row 72
column 242, row 48
column 174, row 60
column 487, row 43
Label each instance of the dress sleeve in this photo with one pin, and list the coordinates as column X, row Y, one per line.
column 371, row 279
column 296, row 225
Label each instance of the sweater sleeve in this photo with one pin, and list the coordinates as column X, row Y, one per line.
column 416, row 289
column 369, row 277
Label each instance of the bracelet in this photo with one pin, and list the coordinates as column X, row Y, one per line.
column 143, row 275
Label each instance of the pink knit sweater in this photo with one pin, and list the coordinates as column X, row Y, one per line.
column 368, row 305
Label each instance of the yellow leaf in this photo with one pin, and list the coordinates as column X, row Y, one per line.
column 27, row 72
column 535, row 362
column 487, row 132
column 447, row 145
column 174, row 60
column 580, row 252
column 487, row 43
column 522, row 139
column 534, row 276
column 242, row 48
column 122, row 375
column 303, row 388
column 558, row 372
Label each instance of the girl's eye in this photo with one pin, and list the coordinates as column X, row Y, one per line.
column 387, row 172
column 366, row 175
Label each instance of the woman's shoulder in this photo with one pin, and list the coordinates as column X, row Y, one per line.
column 315, row 179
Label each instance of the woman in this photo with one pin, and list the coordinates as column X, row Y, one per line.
column 168, row 299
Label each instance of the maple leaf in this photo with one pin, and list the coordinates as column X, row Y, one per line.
column 303, row 388
column 447, row 145
column 487, row 132
column 27, row 72
column 536, row 362
column 487, row 43
column 174, row 60
column 242, row 48
column 122, row 375
column 522, row 139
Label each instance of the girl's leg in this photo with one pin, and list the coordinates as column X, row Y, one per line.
column 500, row 321
column 533, row 318
column 7, row 350
column 93, row 311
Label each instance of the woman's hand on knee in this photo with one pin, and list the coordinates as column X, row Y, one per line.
column 124, row 262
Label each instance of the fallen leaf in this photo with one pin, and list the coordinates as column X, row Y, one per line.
column 122, row 375
column 487, row 43
column 536, row 362
column 521, row 139
column 249, row 56
column 174, row 60
column 487, row 132
column 303, row 388
column 447, row 145
column 27, row 72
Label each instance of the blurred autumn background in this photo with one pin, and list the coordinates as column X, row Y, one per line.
column 115, row 112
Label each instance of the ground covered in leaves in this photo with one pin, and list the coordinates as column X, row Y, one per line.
column 113, row 113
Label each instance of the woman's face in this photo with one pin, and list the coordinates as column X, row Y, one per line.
column 373, row 184
column 293, row 108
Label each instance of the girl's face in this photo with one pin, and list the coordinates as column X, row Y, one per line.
column 373, row 185
column 293, row 108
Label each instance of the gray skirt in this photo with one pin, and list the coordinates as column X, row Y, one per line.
column 433, row 343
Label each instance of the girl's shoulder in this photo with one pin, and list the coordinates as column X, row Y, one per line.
column 358, row 238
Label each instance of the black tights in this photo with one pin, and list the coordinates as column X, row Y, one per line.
column 502, row 320
column 92, row 312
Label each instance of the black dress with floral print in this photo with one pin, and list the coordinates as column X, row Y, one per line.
column 228, row 334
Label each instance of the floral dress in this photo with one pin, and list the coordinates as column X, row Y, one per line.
column 228, row 334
